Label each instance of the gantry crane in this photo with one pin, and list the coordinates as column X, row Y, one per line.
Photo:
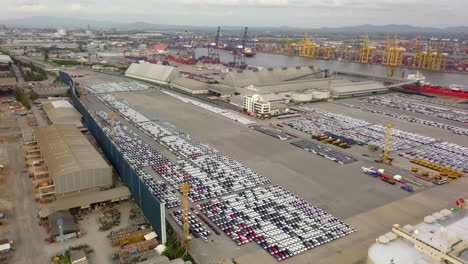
column 393, row 53
column 366, row 53
column 213, row 53
column 429, row 60
column 185, row 207
column 306, row 47
column 328, row 51
column 290, row 48
column 388, row 135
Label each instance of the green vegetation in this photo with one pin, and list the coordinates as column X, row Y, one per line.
column 20, row 96
column 33, row 95
column 31, row 72
column 67, row 62
column 175, row 250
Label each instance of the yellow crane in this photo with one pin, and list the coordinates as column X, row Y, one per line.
column 185, row 208
column 387, row 144
column 290, row 47
column 393, row 53
column 366, row 53
column 328, row 51
column 306, row 47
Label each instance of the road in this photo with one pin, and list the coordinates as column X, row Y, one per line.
column 23, row 226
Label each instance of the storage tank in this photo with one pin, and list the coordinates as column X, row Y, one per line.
column 321, row 95
column 301, row 97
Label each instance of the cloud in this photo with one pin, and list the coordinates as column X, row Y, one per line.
column 75, row 6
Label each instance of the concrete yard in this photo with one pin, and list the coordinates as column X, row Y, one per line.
column 368, row 204
column 316, row 179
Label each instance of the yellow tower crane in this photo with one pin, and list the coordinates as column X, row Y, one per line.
column 418, row 54
column 185, row 208
column 387, row 144
column 366, row 53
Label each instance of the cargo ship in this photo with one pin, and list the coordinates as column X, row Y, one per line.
column 249, row 52
column 426, row 88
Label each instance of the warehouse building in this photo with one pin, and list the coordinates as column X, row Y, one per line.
column 69, row 164
column 50, row 90
column 441, row 238
column 62, row 112
column 156, row 73
column 244, row 78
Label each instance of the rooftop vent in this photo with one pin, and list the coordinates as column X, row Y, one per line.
column 270, row 69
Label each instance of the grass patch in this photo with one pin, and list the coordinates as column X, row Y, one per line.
column 174, row 249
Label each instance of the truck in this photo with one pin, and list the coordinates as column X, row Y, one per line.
column 387, row 179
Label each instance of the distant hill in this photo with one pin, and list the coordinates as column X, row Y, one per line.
column 56, row 22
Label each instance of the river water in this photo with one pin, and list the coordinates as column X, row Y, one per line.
column 278, row 60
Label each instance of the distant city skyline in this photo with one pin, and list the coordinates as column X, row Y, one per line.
column 261, row 13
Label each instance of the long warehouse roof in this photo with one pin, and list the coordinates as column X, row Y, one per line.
column 62, row 112
column 67, row 151
column 243, row 78
column 153, row 72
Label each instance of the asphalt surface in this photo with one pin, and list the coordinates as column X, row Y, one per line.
column 370, row 205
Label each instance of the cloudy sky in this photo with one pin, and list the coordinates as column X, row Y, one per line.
column 301, row 13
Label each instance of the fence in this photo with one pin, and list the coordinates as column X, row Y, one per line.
column 151, row 207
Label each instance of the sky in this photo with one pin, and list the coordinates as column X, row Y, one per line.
column 297, row 13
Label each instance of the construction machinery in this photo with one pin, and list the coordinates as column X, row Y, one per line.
column 365, row 53
column 388, row 135
column 185, row 208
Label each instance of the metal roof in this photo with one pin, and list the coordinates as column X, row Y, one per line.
column 301, row 85
column 190, row 84
column 243, row 78
column 69, row 225
column 353, row 88
column 62, row 112
column 153, row 72
column 84, row 199
column 5, row 59
column 73, row 162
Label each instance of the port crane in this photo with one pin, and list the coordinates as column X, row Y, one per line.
column 239, row 53
column 366, row 53
column 306, row 47
column 213, row 53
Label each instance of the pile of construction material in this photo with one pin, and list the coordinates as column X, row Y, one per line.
column 109, row 219
column 137, row 243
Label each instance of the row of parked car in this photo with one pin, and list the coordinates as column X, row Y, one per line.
column 276, row 219
column 116, row 87
column 197, row 229
column 324, row 151
column 443, row 153
column 425, row 109
column 454, row 129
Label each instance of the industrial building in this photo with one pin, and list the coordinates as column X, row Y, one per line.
column 50, row 90
column 264, row 105
column 244, row 78
column 6, row 80
column 61, row 112
column 69, row 163
column 441, row 238
column 156, row 73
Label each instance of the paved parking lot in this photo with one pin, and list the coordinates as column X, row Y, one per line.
column 341, row 190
